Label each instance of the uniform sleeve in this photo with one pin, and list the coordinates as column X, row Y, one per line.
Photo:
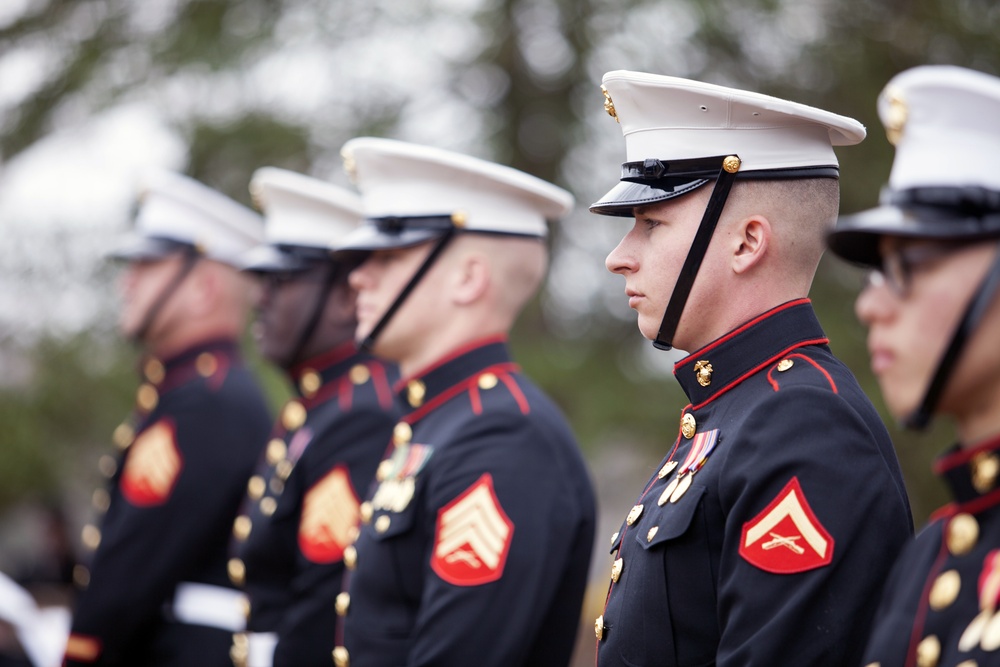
column 813, row 526
column 341, row 466
column 502, row 523
column 152, row 542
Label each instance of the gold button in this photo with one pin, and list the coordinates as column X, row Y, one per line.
column 384, row 470
column 276, row 450
column 415, row 392
column 123, row 436
column 633, row 514
column 688, row 425
column 487, row 381
column 945, row 589
column 963, row 533
column 341, row 658
column 147, row 397
column 310, row 383
column 81, row 576
column 154, row 371
column 242, row 526
column 382, row 523
column 90, row 536
column 107, row 465
column 293, row 415
column 255, row 487
column 968, row 663
column 283, row 469
column 101, row 500
column 402, row 434
column 342, row 603
column 599, row 627
column 350, row 557
column 731, row 164
column 614, row 538
column 652, row 533
column 667, row 468
column 268, row 506
column 928, row 651
column 237, row 571
column 616, row 569
column 366, row 512
column 206, row 364
column 984, row 467
column 359, row 374
column 703, row 372
column 784, row 365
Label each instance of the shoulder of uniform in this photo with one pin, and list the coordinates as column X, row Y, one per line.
column 800, row 368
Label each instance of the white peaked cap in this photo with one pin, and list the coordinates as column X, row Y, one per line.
column 176, row 209
column 945, row 122
column 404, row 180
column 303, row 211
column 669, row 118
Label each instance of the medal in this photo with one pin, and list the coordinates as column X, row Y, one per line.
column 970, row 638
column 991, row 634
column 667, row 492
column 682, row 487
column 667, row 468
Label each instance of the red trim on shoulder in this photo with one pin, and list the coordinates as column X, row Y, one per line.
column 515, row 391
column 735, row 332
column 756, row 369
column 475, row 400
column 454, row 354
column 829, row 378
column 455, row 390
column 346, row 394
column 964, row 455
column 381, row 381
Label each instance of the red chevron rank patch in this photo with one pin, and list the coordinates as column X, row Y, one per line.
column 787, row 537
column 152, row 466
column 330, row 512
column 473, row 537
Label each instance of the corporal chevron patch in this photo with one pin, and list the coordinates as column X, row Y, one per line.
column 787, row 537
column 152, row 466
column 472, row 537
column 330, row 512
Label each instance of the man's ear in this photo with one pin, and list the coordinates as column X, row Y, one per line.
column 752, row 238
column 471, row 278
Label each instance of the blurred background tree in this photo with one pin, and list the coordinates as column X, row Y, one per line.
column 217, row 88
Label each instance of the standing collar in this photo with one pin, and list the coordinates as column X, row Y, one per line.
column 436, row 383
column 204, row 359
column 310, row 374
column 972, row 473
column 706, row 374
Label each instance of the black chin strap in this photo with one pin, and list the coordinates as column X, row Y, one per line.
column 315, row 314
column 978, row 305
column 191, row 257
column 696, row 254
column 369, row 341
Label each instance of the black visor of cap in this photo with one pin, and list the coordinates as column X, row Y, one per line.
column 928, row 213
column 396, row 232
column 283, row 258
column 143, row 248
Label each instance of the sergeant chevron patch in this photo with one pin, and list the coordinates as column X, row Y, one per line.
column 787, row 537
column 152, row 466
column 473, row 537
column 330, row 512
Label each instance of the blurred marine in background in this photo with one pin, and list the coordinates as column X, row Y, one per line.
column 477, row 534
column 933, row 321
column 156, row 590
column 765, row 534
column 295, row 532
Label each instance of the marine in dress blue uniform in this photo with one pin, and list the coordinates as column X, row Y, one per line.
column 766, row 532
column 477, row 532
column 940, row 215
column 301, row 512
column 156, row 588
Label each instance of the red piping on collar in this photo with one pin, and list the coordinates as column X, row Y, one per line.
column 964, row 455
column 451, row 356
column 974, row 506
column 756, row 369
column 325, row 360
column 829, row 378
column 735, row 332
